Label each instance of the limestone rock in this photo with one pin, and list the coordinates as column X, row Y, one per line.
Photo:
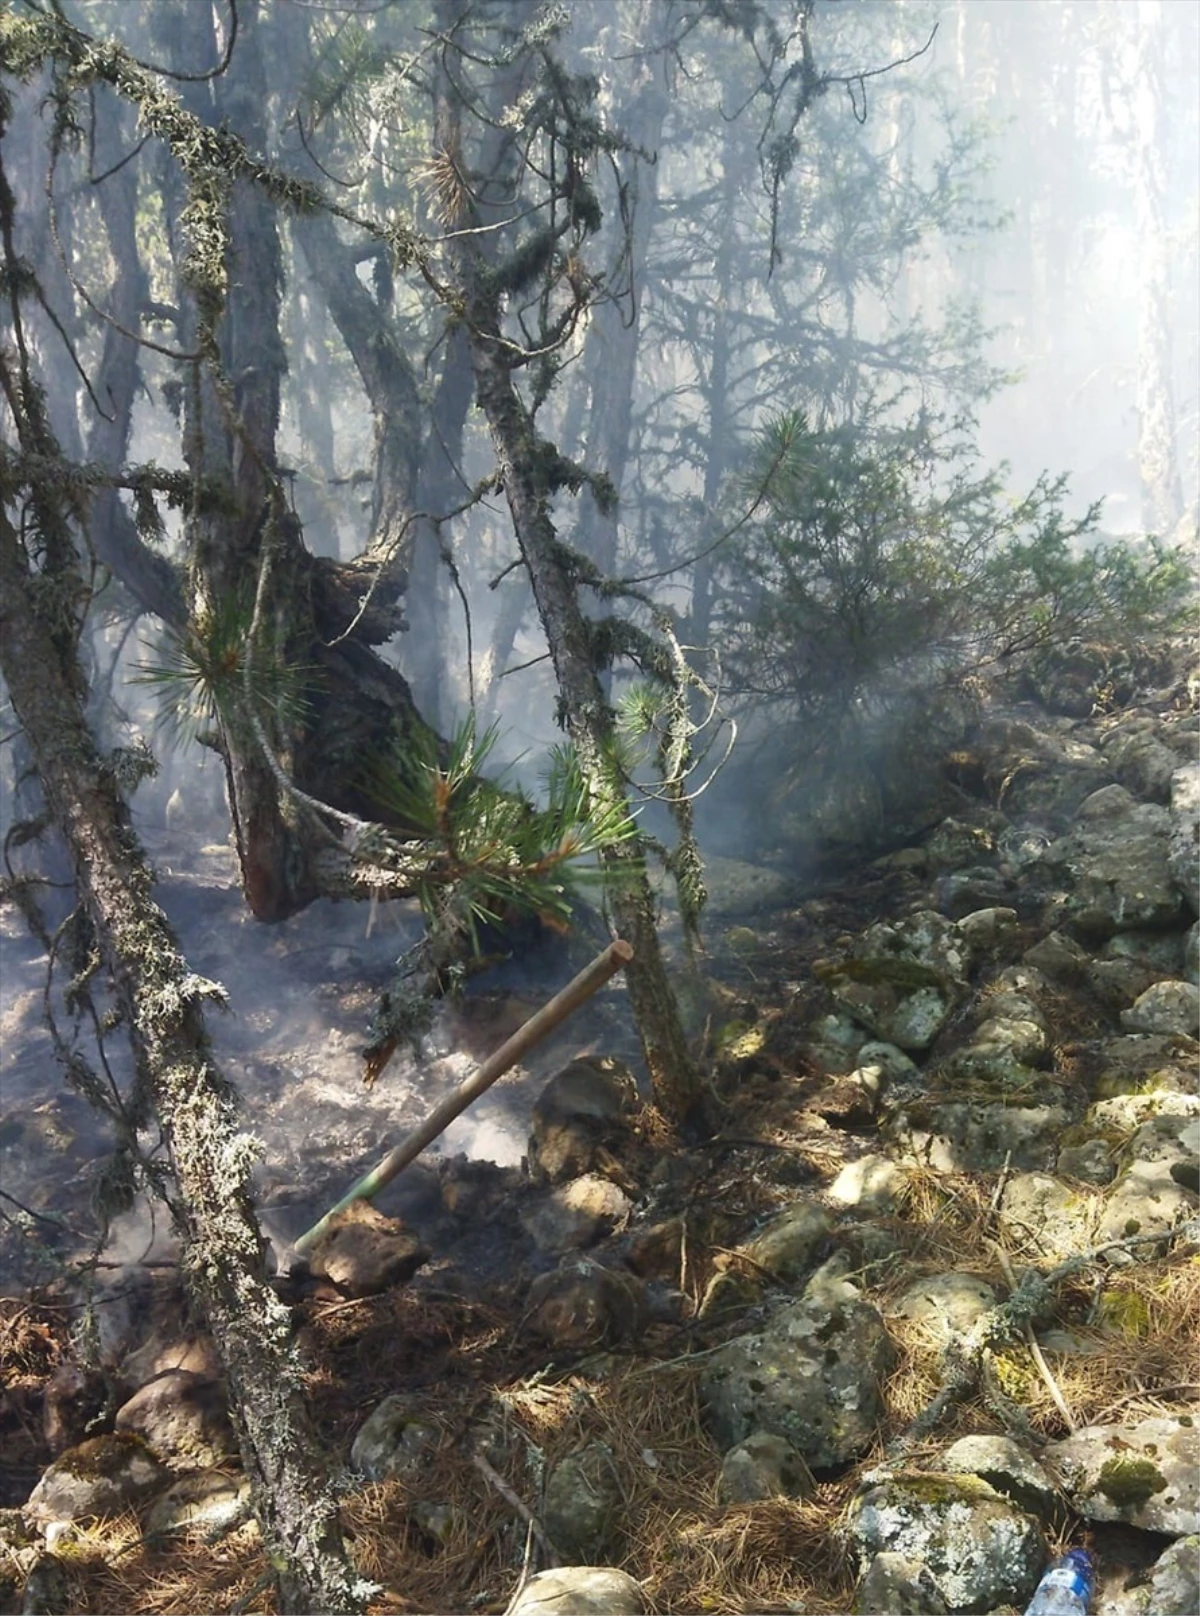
column 211, row 1499
column 1113, row 867
column 576, row 1214
column 183, row 1418
column 393, row 1441
column 582, row 1111
column 1165, row 1007
column 582, row 1304
column 1008, row 1468
column 872, row 1184
column 1184, row 833
column 902, row 980
column 813, row 1375
column 950, row 1304
column 791, row 1244
column 900, row 1586
column 763, row 1466
column 1191, row 953
column 990, row 933
column 102, row 1476
column 1040, row 1209
column 1175, row 1581
column 581, row 1509
column 1141, row 762
column 580, row 1591
column 980, row 1549
column 1145, row 1472
column 1158, row 1182
column 365, row 1253
column 960, row 1136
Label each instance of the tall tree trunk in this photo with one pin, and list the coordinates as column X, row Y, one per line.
column 526, row 463
column 161, row 1001
column 718, row 391
column 1158, row 461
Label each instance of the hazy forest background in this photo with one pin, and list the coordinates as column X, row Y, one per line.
column 701, row 383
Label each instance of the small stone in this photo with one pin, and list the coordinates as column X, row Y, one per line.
column 763, row 1466
column 582, row 1504
column 393, row 1441
column 1145, row 1472
column 581, row 1591
column 576, row 1214
column 364, row 1253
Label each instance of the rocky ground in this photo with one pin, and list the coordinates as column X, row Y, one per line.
column 918, row 1310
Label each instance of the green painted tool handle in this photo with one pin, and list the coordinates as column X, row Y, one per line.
column 579, row 989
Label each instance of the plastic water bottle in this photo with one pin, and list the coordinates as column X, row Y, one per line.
column 1065, row 1588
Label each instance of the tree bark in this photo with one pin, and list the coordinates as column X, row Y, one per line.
column 162, row 1004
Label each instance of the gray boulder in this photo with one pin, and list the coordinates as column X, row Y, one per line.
column 979, row 1548
column 899, row 1586
column 1113, row 869
column 582, row 1504
column 1175, row 1581
column 1165, row 1007
column 813, row 1375
column 1146, row 1472
column 103, row 1476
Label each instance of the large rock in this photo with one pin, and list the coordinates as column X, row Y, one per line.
column 1165, row 1007
column 1175, row 1581
column 365, row 1253
column 902, row 980
column 1146, row 1472
column 183, row 1418
column 102, row 1476
column 1157, row 1185
column 1008, row 1468
column 980, row 1549
column 1114, row 869
column 1039, row 773
column 813, row 1375
column 954, row 1136
column 1140, row 761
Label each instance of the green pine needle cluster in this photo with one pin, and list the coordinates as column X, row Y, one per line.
column 199, row 680
column 494, row 850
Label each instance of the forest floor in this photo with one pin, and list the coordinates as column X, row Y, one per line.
column 456, row 1340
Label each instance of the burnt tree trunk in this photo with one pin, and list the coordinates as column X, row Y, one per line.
column 162, row 1004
